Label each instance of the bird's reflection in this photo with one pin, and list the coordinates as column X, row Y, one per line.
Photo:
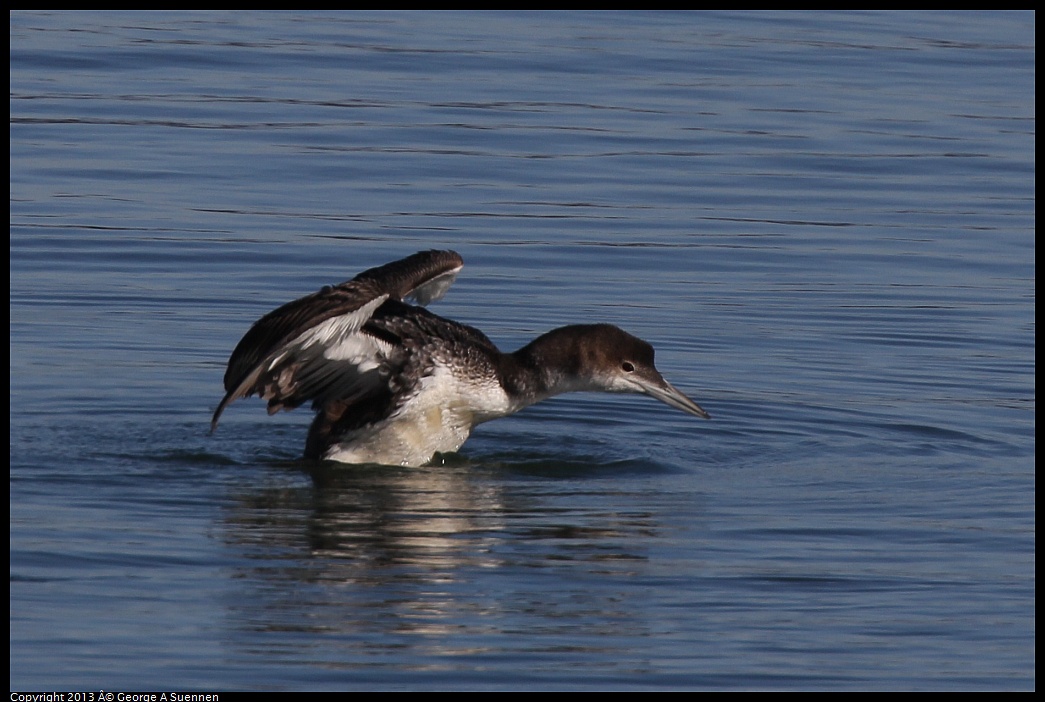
column 397, row 551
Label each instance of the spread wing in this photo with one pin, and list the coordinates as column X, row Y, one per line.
column 315, row 348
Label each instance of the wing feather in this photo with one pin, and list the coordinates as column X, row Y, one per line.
column 316, row 349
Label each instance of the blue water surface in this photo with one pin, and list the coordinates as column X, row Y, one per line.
column 824, row 223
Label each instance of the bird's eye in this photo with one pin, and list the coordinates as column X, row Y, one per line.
column 627, row 367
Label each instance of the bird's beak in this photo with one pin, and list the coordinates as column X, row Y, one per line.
column 668, row 394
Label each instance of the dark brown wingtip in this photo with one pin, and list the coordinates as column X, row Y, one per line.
column 225, row 402
column 400, row 278
column 217, row 415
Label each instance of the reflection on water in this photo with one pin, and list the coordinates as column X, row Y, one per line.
column 365, row 556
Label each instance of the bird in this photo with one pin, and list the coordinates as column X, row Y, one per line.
column 392, row 383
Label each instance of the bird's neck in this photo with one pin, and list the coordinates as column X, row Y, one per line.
column 551, row 364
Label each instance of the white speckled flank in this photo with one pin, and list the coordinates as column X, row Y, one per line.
column 437, row 419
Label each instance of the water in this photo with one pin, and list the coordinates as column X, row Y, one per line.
column 823, row 222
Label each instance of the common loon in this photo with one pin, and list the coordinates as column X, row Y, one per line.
column 392, row 383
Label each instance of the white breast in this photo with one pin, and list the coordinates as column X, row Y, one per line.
column 439, row 418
